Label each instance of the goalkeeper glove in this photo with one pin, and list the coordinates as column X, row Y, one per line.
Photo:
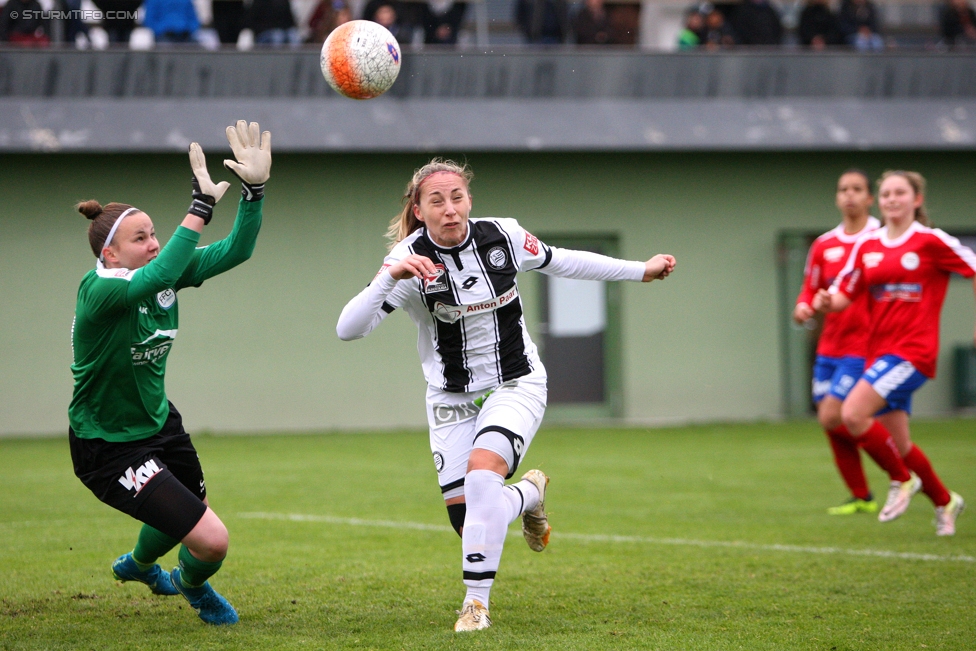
column 252, row 149
column 205, row 193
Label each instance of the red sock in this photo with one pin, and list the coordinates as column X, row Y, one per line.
column 932, row 486
column 848, row 460
column 877, row 442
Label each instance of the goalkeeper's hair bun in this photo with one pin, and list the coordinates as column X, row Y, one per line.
column 91, row 209
column 102, row 219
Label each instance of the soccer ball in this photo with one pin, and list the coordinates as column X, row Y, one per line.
column 360, row 59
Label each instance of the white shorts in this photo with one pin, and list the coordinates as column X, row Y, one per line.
column 504, row 423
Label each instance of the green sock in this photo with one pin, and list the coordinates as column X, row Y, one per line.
column 194, row 571
column 152, row 544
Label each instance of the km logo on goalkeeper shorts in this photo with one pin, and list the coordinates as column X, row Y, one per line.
column 136, row 479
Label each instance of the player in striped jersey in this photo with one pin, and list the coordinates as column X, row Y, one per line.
column 842, row 347
column 127, row 441
column 455, row 277
column 904, row 269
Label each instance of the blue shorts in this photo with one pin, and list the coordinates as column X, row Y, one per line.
column 895, row 379
column 835, row 376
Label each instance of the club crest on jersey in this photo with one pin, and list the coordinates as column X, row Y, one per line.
column 531, row 243
column 166, row 298
column 833, row 254
column 910, row 261
column 134, row 480
column 435, row 281
column 872, row 259
column 497, row 258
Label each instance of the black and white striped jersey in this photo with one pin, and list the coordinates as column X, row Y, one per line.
column 469, row 314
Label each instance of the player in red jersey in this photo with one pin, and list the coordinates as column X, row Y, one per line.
column 904, row 269
column 842, row 347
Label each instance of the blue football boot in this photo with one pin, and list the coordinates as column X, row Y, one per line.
column 125, row 569
column 210, row 606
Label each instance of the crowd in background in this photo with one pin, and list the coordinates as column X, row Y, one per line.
column 854, row 24
column 274, row 23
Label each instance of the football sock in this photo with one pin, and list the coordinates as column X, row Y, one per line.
column 522, row 496
column 879, row 445
column 152, row 544
column 848, row 460
column 194, row 571
column 489, row 511
column 932, row 486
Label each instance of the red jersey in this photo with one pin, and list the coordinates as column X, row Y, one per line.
column 846, row 332
column 905, row 281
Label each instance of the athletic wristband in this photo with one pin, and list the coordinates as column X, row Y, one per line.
column 202, row 205
column 201, row 209
column 252, row 192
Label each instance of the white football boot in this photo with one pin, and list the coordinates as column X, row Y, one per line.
column 473, row 617
column 900, row 494
column 945, row 516
column 535, row 523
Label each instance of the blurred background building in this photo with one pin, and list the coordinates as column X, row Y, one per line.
column 723, row 154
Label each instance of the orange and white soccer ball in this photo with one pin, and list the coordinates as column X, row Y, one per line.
column 360, row 59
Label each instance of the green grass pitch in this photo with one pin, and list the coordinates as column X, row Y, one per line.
column 708, row 537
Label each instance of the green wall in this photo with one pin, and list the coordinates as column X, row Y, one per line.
column 257, row 348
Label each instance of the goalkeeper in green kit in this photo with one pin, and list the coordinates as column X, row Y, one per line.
column 127, row 440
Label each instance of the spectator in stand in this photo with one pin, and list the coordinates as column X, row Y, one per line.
column 172, row 21
column 718, row 33
column 273, row 23
column 624, row 23
column 389, row 14
column 228, row 19
column 591, row 25
column 819, row 26
column 958, row 24
column 757, row 22
column 442, row 21
column 123, row 18
column 328, row 15
column 73, row 28
column 859, row 25
column 543, row 22
column 21, row 24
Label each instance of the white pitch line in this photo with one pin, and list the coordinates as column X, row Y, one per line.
column 584, row 537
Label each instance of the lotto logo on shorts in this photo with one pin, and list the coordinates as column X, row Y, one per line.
column 136, row 479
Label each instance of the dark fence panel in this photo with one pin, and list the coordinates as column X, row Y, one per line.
column 517, row 74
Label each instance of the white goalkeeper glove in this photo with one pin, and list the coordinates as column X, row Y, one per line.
column 252, row 149
column 205, row 193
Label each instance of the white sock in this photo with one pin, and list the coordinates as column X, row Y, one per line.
column 489, row 511
column 523, row 496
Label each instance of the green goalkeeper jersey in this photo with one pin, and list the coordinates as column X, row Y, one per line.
column 125, row 324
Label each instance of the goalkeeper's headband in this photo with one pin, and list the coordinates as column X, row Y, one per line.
column 111, row 233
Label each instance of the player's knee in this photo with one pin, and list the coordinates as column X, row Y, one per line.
column 830, row 419
column 212, row 546
column 854, row 420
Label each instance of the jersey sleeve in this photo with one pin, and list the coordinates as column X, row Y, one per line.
column 812, row 275
column 213, row 259
column 378, row 300
column 584, row 265
column 953, row 256
column 529, row 252
column 118, row 289
column 850, row 280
